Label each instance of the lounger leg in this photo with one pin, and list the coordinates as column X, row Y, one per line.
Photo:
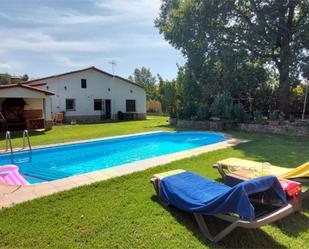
column 205, row 231
column 220, row 170
column 203, row 226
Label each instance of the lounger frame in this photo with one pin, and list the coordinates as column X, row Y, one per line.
column 234, row 220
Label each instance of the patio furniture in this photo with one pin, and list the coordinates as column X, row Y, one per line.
column 246, row 169
column 59, row 118
column 250, row 204
column 301, row 171
column 34, row 119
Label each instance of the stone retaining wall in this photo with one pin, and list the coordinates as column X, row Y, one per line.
column 288, row 129
column 285, row 129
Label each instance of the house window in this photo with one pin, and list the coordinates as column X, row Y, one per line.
column 83, row 83
column 130, row 105
column 70, row 104
column 98, row 104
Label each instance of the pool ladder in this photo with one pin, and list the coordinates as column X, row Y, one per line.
column 8, row 141
column 26, row 136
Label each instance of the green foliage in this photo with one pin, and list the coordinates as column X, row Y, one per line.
column 230, row 43
column 188, row 111
column 25, row 77
column 239, row 113
column 275, row 115
column 145, row 78
column 221, row 106
column 224, row 109
column 259, row 117
column 169, row 97
column 5, row 79
column 203, row 112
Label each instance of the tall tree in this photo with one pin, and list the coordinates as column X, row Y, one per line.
column 5, row 78
column 144, row 77
column 274, row 32
column 25, row 77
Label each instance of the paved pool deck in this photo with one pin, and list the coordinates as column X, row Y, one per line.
column 11, row 195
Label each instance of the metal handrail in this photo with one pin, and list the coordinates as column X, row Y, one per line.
column 26, row 135
column 8, row 141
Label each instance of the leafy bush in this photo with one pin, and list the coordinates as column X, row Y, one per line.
column 259, row 118
column 188, row 112
column 221, row 106
column 203, row 112
column 224, row 109
column 239, row 114
column 274, row 116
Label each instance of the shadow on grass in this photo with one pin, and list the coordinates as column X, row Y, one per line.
column 19, row 134
column 239, row 238
column 296, row 223
column 286, row 151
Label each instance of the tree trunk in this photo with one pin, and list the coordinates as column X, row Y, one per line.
column 285, row 57
column 284, row 90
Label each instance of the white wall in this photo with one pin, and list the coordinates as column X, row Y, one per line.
column 97, row 88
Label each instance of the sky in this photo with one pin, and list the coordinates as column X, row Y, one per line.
column 46, row 37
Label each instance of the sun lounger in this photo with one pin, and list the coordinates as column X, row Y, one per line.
column 251, row 169
column 301, row 171
column 239, row 205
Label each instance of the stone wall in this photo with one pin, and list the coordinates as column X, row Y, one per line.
column 200, row 125
column 285, row 129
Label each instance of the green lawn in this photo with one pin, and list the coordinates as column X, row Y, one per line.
column 124, row 213
column 67, row 133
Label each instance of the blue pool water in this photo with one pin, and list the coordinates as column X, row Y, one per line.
column 53, row 163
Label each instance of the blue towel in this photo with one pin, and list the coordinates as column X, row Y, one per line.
column 196, row 194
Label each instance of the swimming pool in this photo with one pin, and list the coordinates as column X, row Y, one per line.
column 52, row 163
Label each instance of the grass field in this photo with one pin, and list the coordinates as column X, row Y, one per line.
column 67, row 133
column 124, row 213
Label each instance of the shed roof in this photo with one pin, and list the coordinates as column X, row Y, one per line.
column 29, row 87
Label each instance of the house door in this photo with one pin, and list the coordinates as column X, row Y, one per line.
column 107, row 108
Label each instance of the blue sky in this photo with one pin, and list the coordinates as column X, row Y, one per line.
column 45, row 37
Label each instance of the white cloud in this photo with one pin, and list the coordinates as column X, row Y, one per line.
column 5, row 65
column 114, row 11
column 65, row 61
column 38, row 41
column 139, row 8
column 51, row 16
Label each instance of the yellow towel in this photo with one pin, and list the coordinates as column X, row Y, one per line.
column 234, row 164
column 168, row 173
column 300, row 171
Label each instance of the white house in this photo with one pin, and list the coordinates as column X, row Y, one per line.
column 90, row 95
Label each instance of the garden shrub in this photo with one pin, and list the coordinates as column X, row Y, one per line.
column 188, row 112
column 239, row 114
column 221, row 107
column 259, row 118
column 224, row 109
column 203, row 112
column 274, row 116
